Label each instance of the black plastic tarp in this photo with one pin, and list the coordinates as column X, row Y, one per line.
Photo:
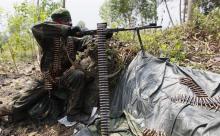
column 143, row 99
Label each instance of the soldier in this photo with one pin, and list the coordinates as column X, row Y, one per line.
column 63, row 85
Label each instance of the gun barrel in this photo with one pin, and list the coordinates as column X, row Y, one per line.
column 89, row 32
column 112, row 30
column 133, row 28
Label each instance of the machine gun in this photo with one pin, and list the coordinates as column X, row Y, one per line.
column 113, row 30
column 104, row 99
column 110, row 31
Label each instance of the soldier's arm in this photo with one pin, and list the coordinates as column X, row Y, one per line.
column 43, row 33
column 50, row 29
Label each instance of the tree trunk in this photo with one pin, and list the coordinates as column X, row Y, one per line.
column 180, row 11
column 38, row 19
column 190, row 10
column 155, row 17
column 184, row 11
column 64, row 3
column 38, row 10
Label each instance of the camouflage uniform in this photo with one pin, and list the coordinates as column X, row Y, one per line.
column 63, row 82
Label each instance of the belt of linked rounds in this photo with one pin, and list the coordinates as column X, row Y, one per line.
column 201, row 99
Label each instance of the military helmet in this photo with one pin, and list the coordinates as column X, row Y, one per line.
column 62, row 14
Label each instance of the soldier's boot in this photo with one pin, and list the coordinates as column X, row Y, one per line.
column 76, row 114
column 75, row 81
column 74, row 107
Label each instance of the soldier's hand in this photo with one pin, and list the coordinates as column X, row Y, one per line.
column 75, row 31
column 109, row 35
column 75, row 66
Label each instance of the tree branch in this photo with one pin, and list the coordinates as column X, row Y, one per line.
column 168, row 12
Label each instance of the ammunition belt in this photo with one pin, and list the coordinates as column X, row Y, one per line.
column 48, row 81
column 153, row 132
column 200, row 99
column 56, row 56
column 211, row 103
column 70, row 48
column 197, row 90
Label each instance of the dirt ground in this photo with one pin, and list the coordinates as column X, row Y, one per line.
column 15, row 80
column 11, row 83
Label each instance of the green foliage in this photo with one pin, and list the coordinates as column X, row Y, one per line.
column 122, row 9
column 1, row 34
column 147, row 10
column 81, row 24
column 194, row 44
column 117, row 12
column 125, row 36
column 128, row 12
column 1, row 14
column 47, row 7
column 19, row 42
column 210, row 23
column 105, row 11
column 208, row 5
column 165, row 43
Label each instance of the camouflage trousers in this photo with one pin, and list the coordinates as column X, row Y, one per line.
column 68, row 98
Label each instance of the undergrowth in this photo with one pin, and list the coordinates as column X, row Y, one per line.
column 195, row 44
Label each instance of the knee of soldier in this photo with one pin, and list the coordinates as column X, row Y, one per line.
column 78, row 79
column 74, row 78
column 79, row 74
column 73, row 73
